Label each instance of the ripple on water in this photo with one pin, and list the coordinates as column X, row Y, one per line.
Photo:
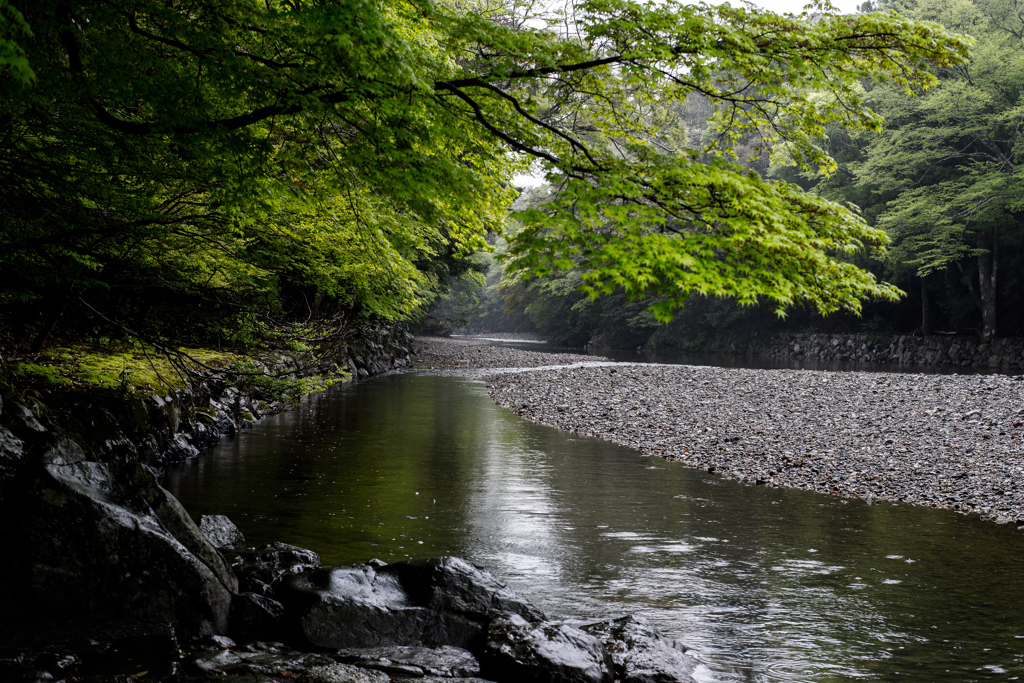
column 762, row 584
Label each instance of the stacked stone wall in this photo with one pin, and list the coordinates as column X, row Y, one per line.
column 1006, row 354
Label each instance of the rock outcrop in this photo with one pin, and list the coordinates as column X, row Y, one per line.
column 104, row 540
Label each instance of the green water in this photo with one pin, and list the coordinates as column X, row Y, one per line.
column 762, row 584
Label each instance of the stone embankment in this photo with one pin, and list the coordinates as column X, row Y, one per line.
column 1006, row 354
column 952, row 441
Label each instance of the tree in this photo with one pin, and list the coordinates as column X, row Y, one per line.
column 947, row 162
column 263, row 158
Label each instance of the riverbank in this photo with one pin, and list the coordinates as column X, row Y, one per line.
column 951, row 441
column 474, row 353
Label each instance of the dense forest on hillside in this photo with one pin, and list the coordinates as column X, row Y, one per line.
column 940, row 178
column 246, row 175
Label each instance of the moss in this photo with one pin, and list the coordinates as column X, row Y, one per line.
column 133, row 370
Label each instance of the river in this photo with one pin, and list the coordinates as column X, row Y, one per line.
column 762, row 584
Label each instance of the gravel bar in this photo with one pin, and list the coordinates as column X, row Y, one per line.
column 474, row 354
column 952, row 441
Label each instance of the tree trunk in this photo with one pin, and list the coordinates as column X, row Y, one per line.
column 988, row 265
column 56, row 311
column 926, row 315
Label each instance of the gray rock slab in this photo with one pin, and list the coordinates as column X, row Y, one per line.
column 642, row 653
column 522, row 652
column 221, row 532
column 106, row 540
column 445, row 661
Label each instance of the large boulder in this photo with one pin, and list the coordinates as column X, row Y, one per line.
column 450, row 584
column 105, row 540
column 519, row 651
column 431, row 602
column 221, row 532
column 642, row 653
column 357, row 607
column 261, row 570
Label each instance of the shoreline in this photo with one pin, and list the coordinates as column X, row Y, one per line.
column 950, row 441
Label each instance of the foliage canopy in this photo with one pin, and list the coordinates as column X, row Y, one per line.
column 227, row 166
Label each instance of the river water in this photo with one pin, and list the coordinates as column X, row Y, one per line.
column 762, row 584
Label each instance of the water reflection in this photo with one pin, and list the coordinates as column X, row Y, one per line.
column 763, row 584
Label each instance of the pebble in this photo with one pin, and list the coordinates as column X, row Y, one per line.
column 950, row 441
column 473, row 354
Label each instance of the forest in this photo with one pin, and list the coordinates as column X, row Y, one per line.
column 939, row 178
column 257, row 175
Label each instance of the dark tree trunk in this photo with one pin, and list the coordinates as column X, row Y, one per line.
column 52, row 318
column 926, row 314
column 988, row 266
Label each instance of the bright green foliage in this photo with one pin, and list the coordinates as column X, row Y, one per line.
column 13, row 29
column 220, row 168
column 637, row 218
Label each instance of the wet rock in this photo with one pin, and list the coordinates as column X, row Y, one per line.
column 105, row 540
column 447, row 662
column 280, row 662
column 221, row 532
column 522, row 652
column 179, row 448
column 356, row 607
column 450, row 584
column 256, row 617
column 341, row 673
column 21, row 420
column 259, row 571
column 641, row 653
column 213, row 642
column 12, row 451
column 107, row 441
column 433, row 602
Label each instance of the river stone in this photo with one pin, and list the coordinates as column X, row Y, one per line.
column 313, row 668
column 260, row 570
column 255, row 617
column 342, row 673
column 431, row 602
column 179, row 448
column 356, row 607
column 450, row 584
column 105, row 540
column 21, row 420
column 522, row 652
column 12, row 450
column 642, row 653
column 446, row 661
column 102, row 431
column 221, row 532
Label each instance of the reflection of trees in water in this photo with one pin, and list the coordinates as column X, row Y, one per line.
column 592, row 529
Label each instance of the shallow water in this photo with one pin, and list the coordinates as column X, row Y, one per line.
column 763, row 584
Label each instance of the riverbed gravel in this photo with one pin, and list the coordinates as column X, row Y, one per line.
column 951, row 441
column 475, row 353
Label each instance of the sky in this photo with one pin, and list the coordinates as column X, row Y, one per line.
column 777, row 6
column 797, row 6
